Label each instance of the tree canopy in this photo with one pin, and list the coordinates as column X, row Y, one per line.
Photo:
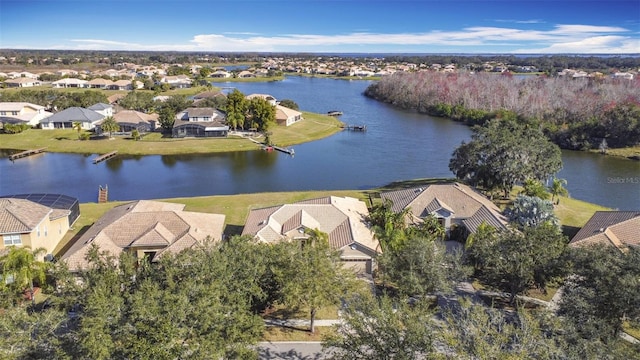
column 503, row 154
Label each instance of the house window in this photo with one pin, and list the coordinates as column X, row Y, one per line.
column 14, row 113
column 12, row 239
column 3, row 113
column 38, row 230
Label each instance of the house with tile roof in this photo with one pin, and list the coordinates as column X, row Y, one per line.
column 22, row 82
column 613, row 228
column 130, row 120
column 286, row 116
column 344, row 219
column 200, row 122
column 22, row 113
column 102, row 108
column 147, row 229
column 70, row 83
column 453, row 204
column 29, row 224
column 65, row 119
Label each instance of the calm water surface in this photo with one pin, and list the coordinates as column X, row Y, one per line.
column 398, row 145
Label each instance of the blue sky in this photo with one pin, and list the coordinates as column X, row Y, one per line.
column 343, row 26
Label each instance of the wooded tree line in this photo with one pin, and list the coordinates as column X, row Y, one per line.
column 203, row 303
column 59, row 100
column 601, row 293
column 574, row 113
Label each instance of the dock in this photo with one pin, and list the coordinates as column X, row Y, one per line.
column 103, row 194
column 104, row 157
column 356, row 127
column 284, row 150
column 26, row 153
column 334, row 113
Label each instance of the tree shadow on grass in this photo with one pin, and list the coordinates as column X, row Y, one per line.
column 570, row 231
column 73, row 240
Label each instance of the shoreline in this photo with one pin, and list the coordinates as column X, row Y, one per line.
column 313, row 127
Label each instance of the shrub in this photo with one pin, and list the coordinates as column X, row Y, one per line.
column 15, row 128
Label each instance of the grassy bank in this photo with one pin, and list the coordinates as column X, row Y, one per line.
column 632, row 152
column 314, row 127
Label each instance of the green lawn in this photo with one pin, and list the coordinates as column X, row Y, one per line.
column 273, row 333
column 574, row 213
column 314, row 127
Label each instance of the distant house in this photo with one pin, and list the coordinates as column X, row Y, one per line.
column 65, row 119
column 30, row 224
column 177, row 81
column 130, row 120
column 146, row 229
column 455, row 205
column 99, row 83
column 269, row 98
column 220, row 74
column 70, row 83
column 246, row 74
column 342, row 218
column 125, row 85
column 613, row 228
column 22, row 82
column 22, row 113
column 286, row 116
column 200, row 122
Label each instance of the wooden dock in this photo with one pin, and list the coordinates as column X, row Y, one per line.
column 104, row 157
column 284, row 150
column 26, row 153
column 334, row 113
column 103, row 194
column 356, row 127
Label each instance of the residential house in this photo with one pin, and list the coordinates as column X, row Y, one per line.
column 455, row 205
column 286, row 116
column 22, row 113
column 125, row 85
column 246, row 74
column 65, row 119
column 30, row 224
column 102, row 108
column 66, row 72
column 70, row 83
column 612, row 228
column 22, row 82
column 199, row 98
column 99, row 83
column 270, row 99
column 130, row 120
column 220, row 74
column 177, row 81
column 146, row 229
column 200, row 122
column 344, row 219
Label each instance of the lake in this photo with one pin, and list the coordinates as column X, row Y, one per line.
column 398, row 145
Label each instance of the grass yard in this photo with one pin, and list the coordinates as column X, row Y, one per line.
column 273, row 333
column 574, row 213
column 314, row 127
column 631, row 330
column 283, row 313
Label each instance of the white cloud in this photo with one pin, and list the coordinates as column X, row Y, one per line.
column 560, row 39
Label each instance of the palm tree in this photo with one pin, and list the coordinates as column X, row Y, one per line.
column 557, row 189
column 21, row 265
column 77, row 125
column 109, row 124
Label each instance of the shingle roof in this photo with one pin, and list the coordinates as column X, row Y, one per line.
column 461, row 200
column 99, row 106
column 618, row 228
column 75, row 114
column 20, row 215
column 343, row 219
column 147, row 224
